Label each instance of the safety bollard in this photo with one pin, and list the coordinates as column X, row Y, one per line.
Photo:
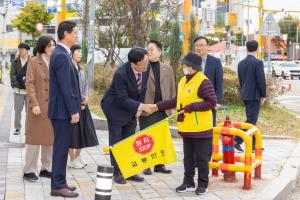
column 228, row 152
column 104, row 182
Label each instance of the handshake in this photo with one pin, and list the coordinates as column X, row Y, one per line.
column 148, row 108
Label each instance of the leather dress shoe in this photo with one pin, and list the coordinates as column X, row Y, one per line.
column 162, row 169
column 71, row 188
column 64, row 193
column 147, row 171
column 238, row 147
column 136, row 178
column 119, row 179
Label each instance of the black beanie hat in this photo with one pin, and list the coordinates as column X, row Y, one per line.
column 192, row 60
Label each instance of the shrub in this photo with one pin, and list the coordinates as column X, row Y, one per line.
column 102, row 77
column 231, row 93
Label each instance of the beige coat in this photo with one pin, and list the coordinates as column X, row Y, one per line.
column 38, row 127
column 167, row 85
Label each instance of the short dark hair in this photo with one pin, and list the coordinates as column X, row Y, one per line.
column 136, row 54
column 75, row 47
column 65, row 26
column 252, row 45
column 42, row 43
column 157, row 43
column 24, row 46
column 200, row 38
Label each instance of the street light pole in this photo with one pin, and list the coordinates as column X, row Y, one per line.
column 91, row 44
column 260, row 21
column 248, row 21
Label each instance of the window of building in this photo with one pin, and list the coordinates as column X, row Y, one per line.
column 51, row 29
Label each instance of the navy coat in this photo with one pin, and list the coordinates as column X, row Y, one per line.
column 122, row 99
column 64, row 94
column 252, row 79
column 214, row 72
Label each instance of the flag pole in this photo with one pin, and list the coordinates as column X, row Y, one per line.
column 107, row 148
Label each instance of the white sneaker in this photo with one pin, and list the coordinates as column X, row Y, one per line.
column 75, row 164
column 81, row 161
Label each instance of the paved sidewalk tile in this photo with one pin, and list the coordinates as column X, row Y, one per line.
column 157, row 186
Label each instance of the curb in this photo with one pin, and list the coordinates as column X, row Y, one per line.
column 284, row 184
column 101, row 124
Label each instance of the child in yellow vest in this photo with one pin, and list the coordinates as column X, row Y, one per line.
column 196, row 96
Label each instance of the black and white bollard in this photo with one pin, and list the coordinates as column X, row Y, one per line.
column 104, row 182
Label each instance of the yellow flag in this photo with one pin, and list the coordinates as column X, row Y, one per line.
column 145, row 149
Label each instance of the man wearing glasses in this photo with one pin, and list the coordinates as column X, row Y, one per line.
column 212, row 69
column 122, row 103
column 160, row 86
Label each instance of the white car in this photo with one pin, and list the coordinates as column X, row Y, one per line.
column 286, row 69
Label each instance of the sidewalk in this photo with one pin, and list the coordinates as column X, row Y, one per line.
column 156, row 186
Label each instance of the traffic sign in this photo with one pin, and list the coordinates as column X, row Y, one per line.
column 52, row 10
column 18, row 3
column 270, row 26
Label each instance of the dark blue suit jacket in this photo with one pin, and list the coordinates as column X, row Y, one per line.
column 252, row 78
column 122, row 99
column 214, row 72
column 64, row 94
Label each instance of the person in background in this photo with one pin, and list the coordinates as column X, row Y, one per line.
column 84, row 132
column 160, row 86
column 212, row 69
column 196, row 97
column 39, row 132
column 253, row 87
column 17, row 78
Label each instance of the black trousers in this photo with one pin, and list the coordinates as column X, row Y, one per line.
column 146, row 121
column 201, row 150
column 252, row 112
column 214, row 112
column 118, row 133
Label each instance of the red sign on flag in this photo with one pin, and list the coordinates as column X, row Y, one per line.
column 143, row 144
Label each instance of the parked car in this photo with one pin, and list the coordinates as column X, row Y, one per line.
column 286, row 69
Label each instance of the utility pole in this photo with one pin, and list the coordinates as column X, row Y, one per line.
column 63, row 13
column 85, row 26
column 186, row 25
column 91, row 44
column 3, row 13
column 260, row 21
column 228, row 30
column 248, row 21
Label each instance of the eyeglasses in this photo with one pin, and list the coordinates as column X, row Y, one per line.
column 142, row 64
column 200, row 45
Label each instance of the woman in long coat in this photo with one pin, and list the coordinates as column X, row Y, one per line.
column 39, row 132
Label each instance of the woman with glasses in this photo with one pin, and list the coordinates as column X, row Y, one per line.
column 39, row 132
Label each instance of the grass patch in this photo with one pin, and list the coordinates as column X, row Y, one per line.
column 94, row 104
column 272, row 120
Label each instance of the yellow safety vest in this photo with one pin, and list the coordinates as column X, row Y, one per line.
column 187, row 94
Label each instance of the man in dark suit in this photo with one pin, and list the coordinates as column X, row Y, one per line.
column 253, row 86
column 121, row 103
column 212, row 69
column 63, row 107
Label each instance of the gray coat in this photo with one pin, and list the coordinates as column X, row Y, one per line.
column 83, row 83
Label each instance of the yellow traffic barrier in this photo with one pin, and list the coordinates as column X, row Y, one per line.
column 247, row 163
